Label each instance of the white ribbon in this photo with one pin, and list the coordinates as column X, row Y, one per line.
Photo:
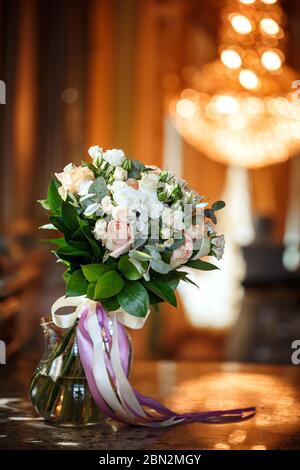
column 67, row 320
column 123, row 402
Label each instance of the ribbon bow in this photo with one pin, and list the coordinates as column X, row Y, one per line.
column 104, row 350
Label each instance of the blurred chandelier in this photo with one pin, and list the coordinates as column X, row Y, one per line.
column 242, row 109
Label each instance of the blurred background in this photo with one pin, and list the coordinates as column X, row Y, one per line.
column 207, row 89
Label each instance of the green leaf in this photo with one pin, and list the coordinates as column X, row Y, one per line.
column 218, row 205
column 77, row 284
column 162, row 290
column 47, row 227
column 93, row 271
column 128, row 269
column 69, row 216
column 81, row 245
column 99, row 188
column 68, row 253
column 53, row 198
column 202, row 265
column 58, row 222
column 109, row 284
column 86, row 231
column 60, row 241
column 134, row 299
column 91, row 291
column 110, row 304
column 184, row 277
column 44, row 203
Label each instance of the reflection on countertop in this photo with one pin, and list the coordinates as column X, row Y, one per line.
column 186, row 386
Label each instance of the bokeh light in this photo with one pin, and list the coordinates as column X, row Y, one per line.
column 231, row 59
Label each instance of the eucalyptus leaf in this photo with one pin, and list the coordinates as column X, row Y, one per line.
column 160, row 266
column 139, row 255
column 218, row 205
column 99, row 188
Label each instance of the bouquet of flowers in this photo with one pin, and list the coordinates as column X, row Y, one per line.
column 128, row 230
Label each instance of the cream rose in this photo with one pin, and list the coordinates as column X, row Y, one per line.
column 182, row 253
column 72, row 177
column 119, row 238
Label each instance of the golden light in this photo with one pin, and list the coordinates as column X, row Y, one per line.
column 269, row 26
column 226, row 104
column 231, row 59
column 185, row 108
column 238, row 110
column 248, row 79
column 241, row 24
column 271, row 61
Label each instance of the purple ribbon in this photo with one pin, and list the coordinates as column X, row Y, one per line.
column 147, row 412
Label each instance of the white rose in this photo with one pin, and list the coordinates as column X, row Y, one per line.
column 95, row 152
column 100, row 229
column 153, row 204
column 114, row 157
column 84, row 187
column 178, row 220
column 107, row 205
column 165, row 233
column 118, row 185
column 120, row 174
column 149, row 181
column 126, row 196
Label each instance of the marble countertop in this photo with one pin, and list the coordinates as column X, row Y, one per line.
column 186, row 386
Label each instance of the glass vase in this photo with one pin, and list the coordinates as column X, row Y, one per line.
column 59, row 390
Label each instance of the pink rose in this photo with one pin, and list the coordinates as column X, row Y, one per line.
column 119, row 237
column 133, row 183
column 156, row 170
column 72, row 177
column 182, row 253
